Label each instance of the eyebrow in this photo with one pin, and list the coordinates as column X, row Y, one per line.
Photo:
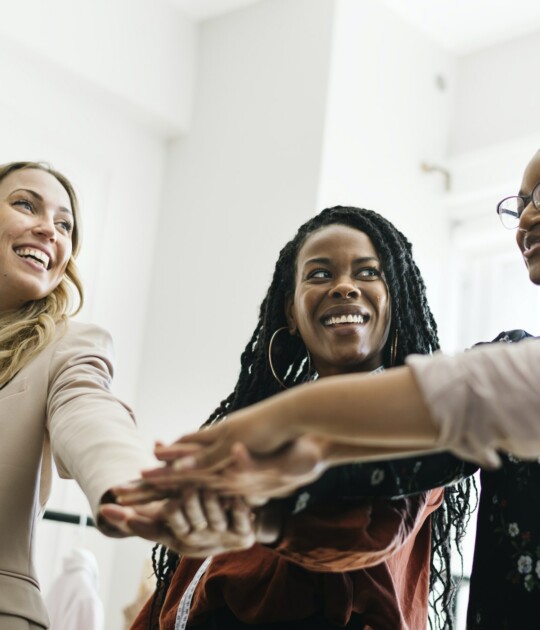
column 40, row 198
column 327, row 261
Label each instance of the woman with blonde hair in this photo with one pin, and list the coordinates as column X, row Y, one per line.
column 55, row 375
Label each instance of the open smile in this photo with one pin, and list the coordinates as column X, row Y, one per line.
column 36, row 256
column 340, row 320
column 345, row 315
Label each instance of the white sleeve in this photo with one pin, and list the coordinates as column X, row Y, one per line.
column 484, row 400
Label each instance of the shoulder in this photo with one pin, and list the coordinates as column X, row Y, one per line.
column 78, row 343
column 508, row 336
column 70, row 333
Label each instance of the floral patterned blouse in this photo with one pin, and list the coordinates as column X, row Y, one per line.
column 505, row 579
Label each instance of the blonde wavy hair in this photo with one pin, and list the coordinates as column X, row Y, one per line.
column 26, row 331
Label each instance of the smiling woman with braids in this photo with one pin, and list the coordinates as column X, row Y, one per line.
column 346, row 297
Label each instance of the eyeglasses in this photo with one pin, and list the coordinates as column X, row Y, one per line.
column 511, row 208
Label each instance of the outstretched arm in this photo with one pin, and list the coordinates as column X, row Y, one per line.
column 474, row 405
column 261, row 451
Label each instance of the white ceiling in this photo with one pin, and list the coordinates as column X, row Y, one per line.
column 200, row 10
column 461, row 26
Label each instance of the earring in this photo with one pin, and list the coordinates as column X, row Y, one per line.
column 393, row 351
column 270, row 345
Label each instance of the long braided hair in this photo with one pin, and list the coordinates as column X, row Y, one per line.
column 412, row 330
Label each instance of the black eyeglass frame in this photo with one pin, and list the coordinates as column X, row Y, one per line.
column 534, row 197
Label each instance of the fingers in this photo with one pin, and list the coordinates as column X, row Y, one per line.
column 254, row 477
column 205, row 436
column 156, row 531
column 172, row 452
column 113, row 518
column 136, row 495
column 241, row 518
column 228, row 525
column 177, row 521
column 215, row 512
column 171, row 523
column 194, row 510
column 208, row 449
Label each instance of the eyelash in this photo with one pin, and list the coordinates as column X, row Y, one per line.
column 313, row 274
column 67, row 226
column 24, row 202
column 374, row 273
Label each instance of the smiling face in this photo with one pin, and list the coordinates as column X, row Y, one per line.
column 341, row 305
column 36, row 225
column 528, row 233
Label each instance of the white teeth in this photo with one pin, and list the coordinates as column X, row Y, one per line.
column 344, row 319
column 35, row 254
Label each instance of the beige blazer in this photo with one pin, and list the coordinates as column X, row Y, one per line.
column 58, row 406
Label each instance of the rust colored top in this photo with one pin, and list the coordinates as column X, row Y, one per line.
column 370, row 558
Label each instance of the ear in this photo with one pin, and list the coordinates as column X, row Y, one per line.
column 290, row 315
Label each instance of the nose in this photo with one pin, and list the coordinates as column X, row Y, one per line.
column 529, row 215
column 345, row 288
column 44, row 228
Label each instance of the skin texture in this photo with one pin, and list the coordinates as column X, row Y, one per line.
column 35, row 211
column 528, row 233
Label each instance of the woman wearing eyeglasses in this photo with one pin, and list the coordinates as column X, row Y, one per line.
column 476, row 405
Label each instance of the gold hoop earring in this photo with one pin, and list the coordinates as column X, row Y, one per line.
column 393, row 351
column 271, row 363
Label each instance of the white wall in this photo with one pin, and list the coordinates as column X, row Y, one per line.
column 237, row 189
column 494, row 131
column 489, row 289
column 497, row 95
column 385, row 116
column 139, row 53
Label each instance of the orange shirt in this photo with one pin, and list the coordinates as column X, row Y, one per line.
column 371, row 557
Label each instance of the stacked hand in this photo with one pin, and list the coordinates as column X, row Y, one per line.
column 235, row 457
column 196, row 523
column 192, row 503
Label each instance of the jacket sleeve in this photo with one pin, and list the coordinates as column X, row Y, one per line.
column 93, row 435
column 337, row 538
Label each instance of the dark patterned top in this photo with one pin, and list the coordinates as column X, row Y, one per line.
column 505, row 579
column 389, row 479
